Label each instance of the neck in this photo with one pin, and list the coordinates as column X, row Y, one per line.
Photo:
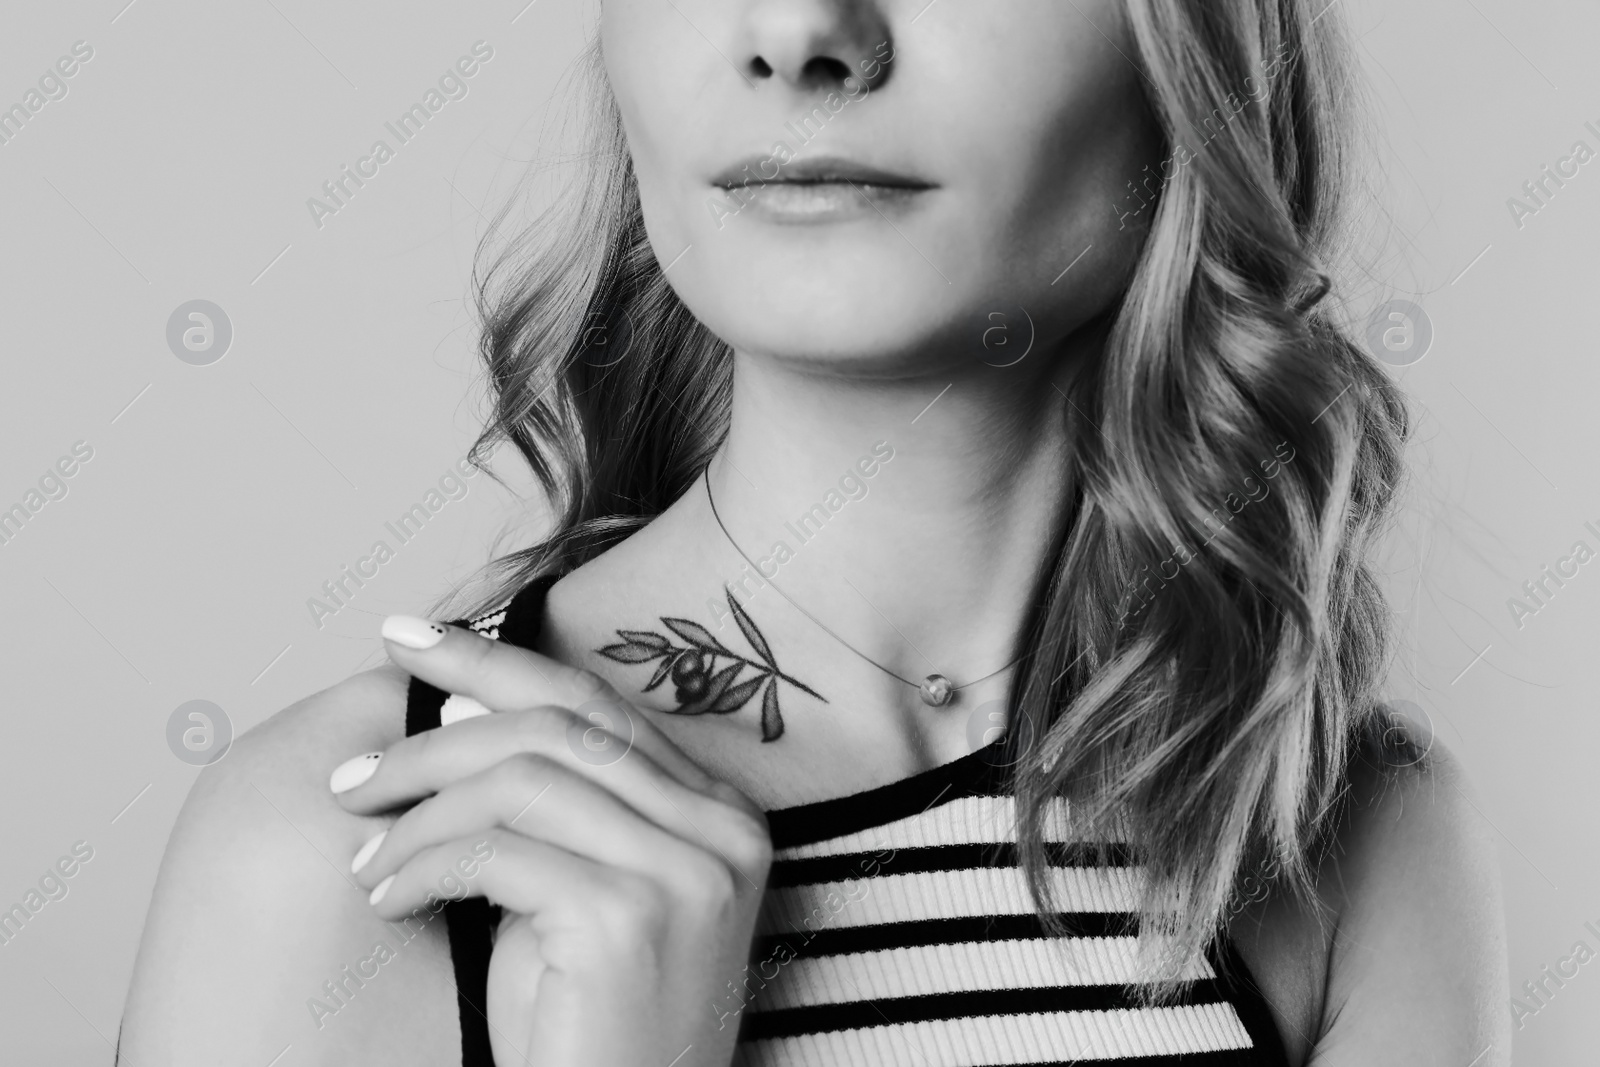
column 912, row 516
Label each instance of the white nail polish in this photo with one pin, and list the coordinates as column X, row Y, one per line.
column 353, row 772
column 457, row 707
column 367, row 851
column 412, row 632
column 381, row 888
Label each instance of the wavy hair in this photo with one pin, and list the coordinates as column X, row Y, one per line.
column 1212, row 726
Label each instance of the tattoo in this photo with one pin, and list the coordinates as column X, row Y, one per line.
column 704, row 688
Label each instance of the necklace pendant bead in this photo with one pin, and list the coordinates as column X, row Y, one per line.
column 936, row 690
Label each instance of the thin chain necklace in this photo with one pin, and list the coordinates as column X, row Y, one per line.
column 935, row 689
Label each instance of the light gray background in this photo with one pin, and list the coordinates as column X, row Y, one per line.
column 179, row 564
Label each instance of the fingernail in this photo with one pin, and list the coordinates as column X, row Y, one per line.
column 367, row 851
column 352, row 772
column 412, row 632
column 457, row 707
column 380, row 890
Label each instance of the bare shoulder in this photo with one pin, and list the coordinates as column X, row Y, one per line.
column 1417, row 968
column 255, row 920
column 1401, row 957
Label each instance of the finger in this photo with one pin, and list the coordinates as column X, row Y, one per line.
column 540, row 799
column 506, row 677
column 428, row 763
column 547, row 883
column 503, row 676
column 422, row 764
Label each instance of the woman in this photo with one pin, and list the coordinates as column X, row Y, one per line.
column 901, row 363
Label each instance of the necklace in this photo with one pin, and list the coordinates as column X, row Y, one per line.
column 935, row 689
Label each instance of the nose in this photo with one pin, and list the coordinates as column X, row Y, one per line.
column 817, row 44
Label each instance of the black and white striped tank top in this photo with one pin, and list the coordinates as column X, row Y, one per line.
column 897, row 931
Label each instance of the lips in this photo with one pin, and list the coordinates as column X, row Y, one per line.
column 815, row 190
column 815, row 171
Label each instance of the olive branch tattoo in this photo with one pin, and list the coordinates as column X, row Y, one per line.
column 702, row 686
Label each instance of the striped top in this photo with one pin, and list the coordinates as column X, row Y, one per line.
column 897, row 931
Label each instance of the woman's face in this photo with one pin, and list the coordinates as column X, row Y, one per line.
column 870, row 183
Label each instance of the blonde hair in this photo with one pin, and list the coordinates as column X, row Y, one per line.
column 1213, row 725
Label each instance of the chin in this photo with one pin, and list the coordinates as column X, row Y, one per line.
column 855, row 294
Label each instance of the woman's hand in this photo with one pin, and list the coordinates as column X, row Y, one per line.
column 630, row 878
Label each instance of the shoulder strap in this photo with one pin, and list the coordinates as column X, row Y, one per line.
column 471, row 923
column 1239, row 986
